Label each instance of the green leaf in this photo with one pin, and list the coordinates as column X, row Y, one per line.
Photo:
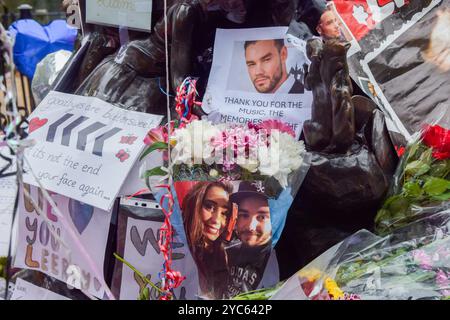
column 3, row 262
column 154, row 172
column 382, row 216
column 417, row 168
column 442, row 197
column 145, row 294
column 412, row 189
column 391, row 199
column 427, row 156
column 412, row 150
column 140, row 274
column 153, row 147
column 436, row 186
column 440, row 169
column 399, row 207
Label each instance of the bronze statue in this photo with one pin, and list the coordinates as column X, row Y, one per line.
column 332, row 126
column 100, row 44
column 134, row 78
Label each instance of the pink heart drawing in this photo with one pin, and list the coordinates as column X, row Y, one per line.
column 122, row 155
column 36, row 123
column 128, row 140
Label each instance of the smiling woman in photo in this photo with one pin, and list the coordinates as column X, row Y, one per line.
column 207, row 213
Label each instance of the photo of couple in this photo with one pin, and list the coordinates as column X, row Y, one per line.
column 229, row 232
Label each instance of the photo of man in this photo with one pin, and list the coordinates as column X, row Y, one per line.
column 255, row 73
column 328, row 26
column 324, row 21
column 266, row 66
column 248, row 254
column 369, row 89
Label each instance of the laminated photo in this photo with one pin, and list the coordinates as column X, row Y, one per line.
column 229, row 232
column 258, row 74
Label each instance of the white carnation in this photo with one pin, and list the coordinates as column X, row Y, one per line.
column 284, row 156
column 193, row 143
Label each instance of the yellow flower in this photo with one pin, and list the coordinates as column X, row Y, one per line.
column 333, row 289
column 173, row 141
column 311, row 274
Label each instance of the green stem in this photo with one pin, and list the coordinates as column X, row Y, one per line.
column 138, row 273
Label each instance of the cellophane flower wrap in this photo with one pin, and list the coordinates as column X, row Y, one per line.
column 232, row 187
column 413, row 263
column 421, row 185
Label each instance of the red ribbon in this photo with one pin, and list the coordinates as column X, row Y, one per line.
column 186, row 99
column 138, row 193
column 172, row 279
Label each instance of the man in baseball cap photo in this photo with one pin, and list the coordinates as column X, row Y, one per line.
column 248, row 254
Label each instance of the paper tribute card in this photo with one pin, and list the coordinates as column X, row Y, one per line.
column 85, row 148
column 83, row 229
column 258, row 74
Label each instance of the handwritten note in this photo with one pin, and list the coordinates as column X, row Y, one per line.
column 85, row 147
column 39, row 248
column 143, row 252
column 8, row 191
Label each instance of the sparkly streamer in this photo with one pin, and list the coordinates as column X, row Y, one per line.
column 171, row 279
column 186, row 99
column 4, row 171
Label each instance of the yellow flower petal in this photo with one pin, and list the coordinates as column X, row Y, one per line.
column 333, row 289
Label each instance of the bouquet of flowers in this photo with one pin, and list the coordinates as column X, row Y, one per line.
column 232, row 188
column 204, row 151
column 412, row 263
column 422, row 182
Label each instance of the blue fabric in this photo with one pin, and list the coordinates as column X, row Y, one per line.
column 176, row 219
column 33, row 42
column 278, row 213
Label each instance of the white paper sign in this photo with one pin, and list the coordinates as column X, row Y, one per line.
column 8, row 191
column 133, row 14
column 38, row 249
column 134, row 182
column 142, row 252
column 85, row 147
column 28, row 291
column 258, row 74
